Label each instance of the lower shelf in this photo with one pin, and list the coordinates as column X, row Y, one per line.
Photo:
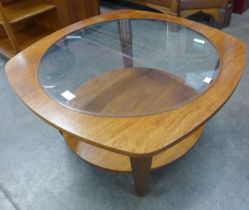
column 116, row 162
column 25, row 38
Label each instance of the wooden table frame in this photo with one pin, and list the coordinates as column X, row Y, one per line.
column 164, row 131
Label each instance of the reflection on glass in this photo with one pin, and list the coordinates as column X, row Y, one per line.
column 129, row 67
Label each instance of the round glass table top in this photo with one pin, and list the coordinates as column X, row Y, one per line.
column 129, row 67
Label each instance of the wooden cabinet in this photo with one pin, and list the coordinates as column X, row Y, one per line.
column 23, row 22
column 219, row 10
column 240, row 6
column 71, row 11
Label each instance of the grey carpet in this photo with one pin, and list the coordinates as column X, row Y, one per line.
column 38, row 171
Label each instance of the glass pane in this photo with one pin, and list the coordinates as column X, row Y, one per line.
column 129, row 67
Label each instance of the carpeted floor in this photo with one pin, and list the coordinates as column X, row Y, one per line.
column 38, row 172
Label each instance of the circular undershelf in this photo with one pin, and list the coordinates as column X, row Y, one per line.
column 120, row 163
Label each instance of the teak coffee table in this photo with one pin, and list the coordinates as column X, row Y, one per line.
column 129, row 90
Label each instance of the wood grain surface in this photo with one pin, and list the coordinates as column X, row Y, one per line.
column 132, row 92
column 132, row 136
column 120, row 163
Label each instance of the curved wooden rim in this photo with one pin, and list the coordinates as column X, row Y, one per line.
column 136, row 136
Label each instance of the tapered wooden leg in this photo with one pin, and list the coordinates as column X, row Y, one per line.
column 141, row 172
column 125, row 34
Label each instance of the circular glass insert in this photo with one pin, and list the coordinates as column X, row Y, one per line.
column 129, row 67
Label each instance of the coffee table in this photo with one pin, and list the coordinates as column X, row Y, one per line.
column 130, row 91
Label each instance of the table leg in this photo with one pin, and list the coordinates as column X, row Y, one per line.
column 141, row 172
column 61, row 132
column 125, row 34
